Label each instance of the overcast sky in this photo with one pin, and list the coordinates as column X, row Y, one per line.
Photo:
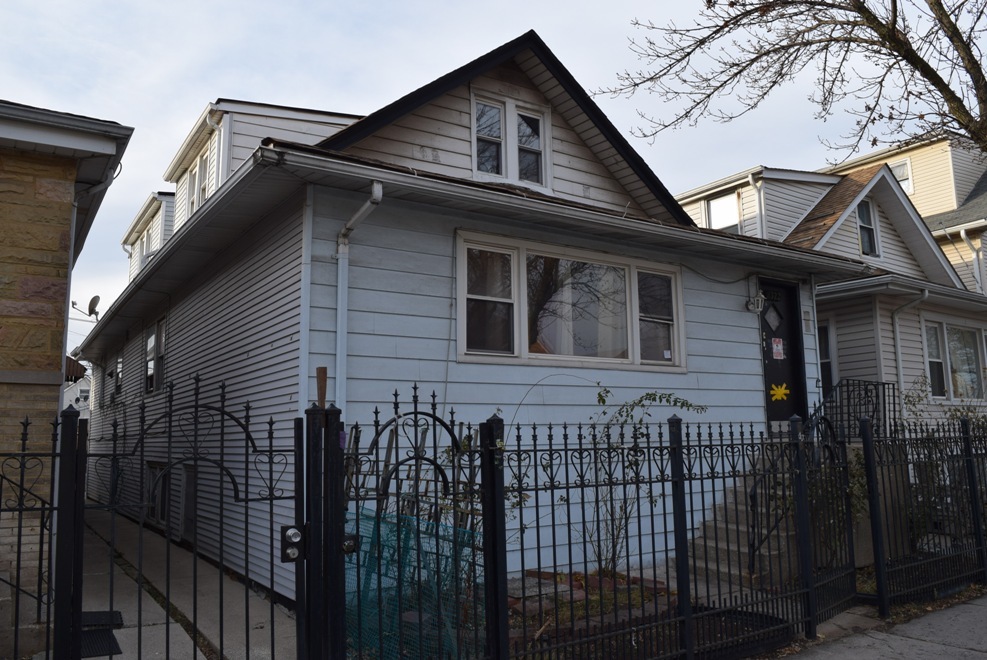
column 154, row 66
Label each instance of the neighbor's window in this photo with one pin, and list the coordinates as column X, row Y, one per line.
column 155, row 355
column 902, row 171
column 509, row 141
column 954, row 361
column 203, row 189
column 723, row 212
column 567, row 307
column 190, row 188
column 867, row 224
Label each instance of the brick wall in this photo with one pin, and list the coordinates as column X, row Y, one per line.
column 36, row 193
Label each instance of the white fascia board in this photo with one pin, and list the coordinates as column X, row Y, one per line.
column 193, row 143
column 726, row 183
column 80, row 143
column 452, row 190
column 143, row 218
column 800, row 176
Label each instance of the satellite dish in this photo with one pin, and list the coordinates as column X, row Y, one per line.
column 92, row 307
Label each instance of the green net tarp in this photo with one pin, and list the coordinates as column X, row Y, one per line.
column 413, row 588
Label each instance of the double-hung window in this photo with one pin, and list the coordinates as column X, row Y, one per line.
column 867, row 225
column 197, row 187
column 155, row 357
column 954, row 358
column 509, row 142
column 531, row 301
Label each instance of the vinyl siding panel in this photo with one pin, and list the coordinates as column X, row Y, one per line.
column 968, row 166
column 962, row 258
column 749, row 213
column 249, row 130
column 893, row 253
column 856, row 338
column 932, row 179
column 438, row 138
column 786, row 203
column 402, row 327
column 237, row 323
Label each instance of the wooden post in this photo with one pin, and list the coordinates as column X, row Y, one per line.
column 321, row 379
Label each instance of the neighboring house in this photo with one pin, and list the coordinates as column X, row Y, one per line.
column 225, row 135
column 54, row 171
column 946, row 181
column 911, row 321
column 490, row 236
column 77, row 388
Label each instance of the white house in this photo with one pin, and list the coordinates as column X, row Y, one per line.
column 490, row 236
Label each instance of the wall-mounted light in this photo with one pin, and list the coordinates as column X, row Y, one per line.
column 756, row 304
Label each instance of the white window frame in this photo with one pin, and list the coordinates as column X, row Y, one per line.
column 873, row 228
column 154, row 376
column 715, row 202
column 907, row 184
column 831, row 349
column 510, row 148
column 942, row 326
column 202, row 189
column 519, row 250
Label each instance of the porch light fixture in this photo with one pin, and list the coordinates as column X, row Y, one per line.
column 756, row 304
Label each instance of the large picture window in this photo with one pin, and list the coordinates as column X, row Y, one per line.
column 954, row 358
column 527, row 301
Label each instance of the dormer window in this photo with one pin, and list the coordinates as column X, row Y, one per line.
column 509, row 142
column 198, row 183
column 867, row 225
column 902, row 171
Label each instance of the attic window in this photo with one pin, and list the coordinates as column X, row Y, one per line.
column 902, row 171
column 723, row 212
column 867, row 225
column 509, row 142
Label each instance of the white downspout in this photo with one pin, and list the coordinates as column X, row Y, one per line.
column 343, row 285
column 977, row 261
column 761, row 228
column 897, row 345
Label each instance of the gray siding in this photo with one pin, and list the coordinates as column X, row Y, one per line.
column 249, row 130
column 787, row 202
column 402, row 326
column 894, row 254
column 856, row 338
column 239, row 324
column 968, row 166
column 437, row 138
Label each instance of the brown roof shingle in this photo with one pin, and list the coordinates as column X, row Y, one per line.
column 830, row 208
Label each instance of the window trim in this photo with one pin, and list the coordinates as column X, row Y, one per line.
column 708, row 212
column 872, row 227
column 511, row 109
column 154, row 378
column 519, row 249
column 907, row 162
column 942, row 324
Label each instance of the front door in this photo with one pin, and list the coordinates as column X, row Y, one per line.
column 781, row 348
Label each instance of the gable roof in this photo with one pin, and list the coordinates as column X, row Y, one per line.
column 878, row 182
column 567, row 98
column 834, row 205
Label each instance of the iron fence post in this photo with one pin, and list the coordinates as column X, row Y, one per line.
column 803, row 525
column 68, row 618
column 301, row 598
column 494, row 537
column 876, row 519
column 317, row 635
column 687, row 625
column 976, row 510
column 335, row 531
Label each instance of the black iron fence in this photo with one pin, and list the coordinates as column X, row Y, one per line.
column 422, row 536
column 925, row 486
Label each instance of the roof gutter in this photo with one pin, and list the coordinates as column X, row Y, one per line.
column 587, row 217
column 343, row 286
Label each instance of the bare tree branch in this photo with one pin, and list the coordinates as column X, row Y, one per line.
column 904, row 68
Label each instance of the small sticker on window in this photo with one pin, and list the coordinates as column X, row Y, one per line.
column 668, row 355
column 778, row 349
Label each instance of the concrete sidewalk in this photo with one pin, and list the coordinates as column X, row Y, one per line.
column 959, row 631
column 230, row 619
